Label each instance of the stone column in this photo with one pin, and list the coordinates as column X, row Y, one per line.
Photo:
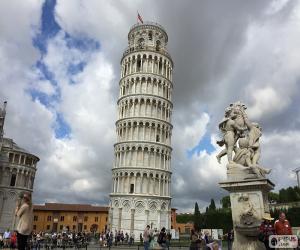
column 158, row 218
column 132, row 221
column 147, row 216
column 120, row 219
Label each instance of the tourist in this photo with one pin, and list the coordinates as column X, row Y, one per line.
column 169, row 237
column 162, row 238
column 141, row 239
column 193, row 239
column 266, row 230
column 206, row 237
column 154, row 237
column 282, row 225
column 146, row 237
column 6, row 238
column 230, row 238
column 13, row 240
column 131, row 239
column 110, row 239
column 1, row 241
column 25, row 214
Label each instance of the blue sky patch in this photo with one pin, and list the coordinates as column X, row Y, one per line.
column 204, row 144
column 81, row 43
column 75, row 68
column 49, row 29
column 62, row 128
column 45, row 74
column 43, row 98
column 49, row 26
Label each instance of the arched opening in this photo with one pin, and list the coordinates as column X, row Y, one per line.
column 13, row 180
column 131, row 189
column 158, row 45
column 141, row 43
column 157, row 138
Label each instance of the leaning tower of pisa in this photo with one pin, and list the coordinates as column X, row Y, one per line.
column 142, row 169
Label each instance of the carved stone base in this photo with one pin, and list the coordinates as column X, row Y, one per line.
column 249, row 202
column 236, row 172
column 246, row 243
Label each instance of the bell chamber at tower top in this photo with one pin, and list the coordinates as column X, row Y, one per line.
column 152, row 39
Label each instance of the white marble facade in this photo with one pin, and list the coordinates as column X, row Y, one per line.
column 141, row 175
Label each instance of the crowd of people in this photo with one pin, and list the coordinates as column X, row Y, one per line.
column 279, row 227
column 202, row 241
column 109, row 238
column 151, row 239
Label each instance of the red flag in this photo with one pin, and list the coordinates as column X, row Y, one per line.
column 140, row 18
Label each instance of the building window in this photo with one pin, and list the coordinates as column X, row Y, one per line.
column 48, row 227
column 74, row 227
column 74, row 218
column 141, row 43
column 49, row 218
column 35, row 218
column 106, row 219
column 157, row 138
column 150, row 35
column 22, row 159
column 11, row 157
column 138, row 64
column 13, row 180
column 28, row 161
column 158, row 45
column 61, row 227
column 85, row 227
column 62, row 218
column 86, row 218
column 96, row 219
column 17, row 157
column 34, row 227
column 131, row 188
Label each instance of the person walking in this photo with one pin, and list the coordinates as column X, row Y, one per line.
column 230, row 238
column 162, row 238
column 194, row 239
column 24, row 213
column 146, row 237
column 266, row 229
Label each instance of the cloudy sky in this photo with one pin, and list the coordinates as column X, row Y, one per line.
column 59, row 72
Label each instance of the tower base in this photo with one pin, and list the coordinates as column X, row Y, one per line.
column 131, row 214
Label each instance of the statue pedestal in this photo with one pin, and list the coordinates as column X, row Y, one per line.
column 249, row 202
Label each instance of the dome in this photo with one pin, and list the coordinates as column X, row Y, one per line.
column 10, row 145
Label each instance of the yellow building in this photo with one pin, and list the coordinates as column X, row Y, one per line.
column 56, row 217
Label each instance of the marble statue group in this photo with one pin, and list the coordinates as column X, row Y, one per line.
column 241, row 141
column 246, row 181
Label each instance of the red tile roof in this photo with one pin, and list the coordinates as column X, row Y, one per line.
column 70, row 207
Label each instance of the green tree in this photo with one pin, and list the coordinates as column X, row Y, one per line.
column 184, row 218
column 212, row 205
column 225, row 202
column 283, row 195
column 197, row 218
column 273, row 197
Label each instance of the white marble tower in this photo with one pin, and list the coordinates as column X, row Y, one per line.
column 141, row 175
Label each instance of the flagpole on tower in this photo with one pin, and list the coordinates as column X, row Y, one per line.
column 139, row 18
